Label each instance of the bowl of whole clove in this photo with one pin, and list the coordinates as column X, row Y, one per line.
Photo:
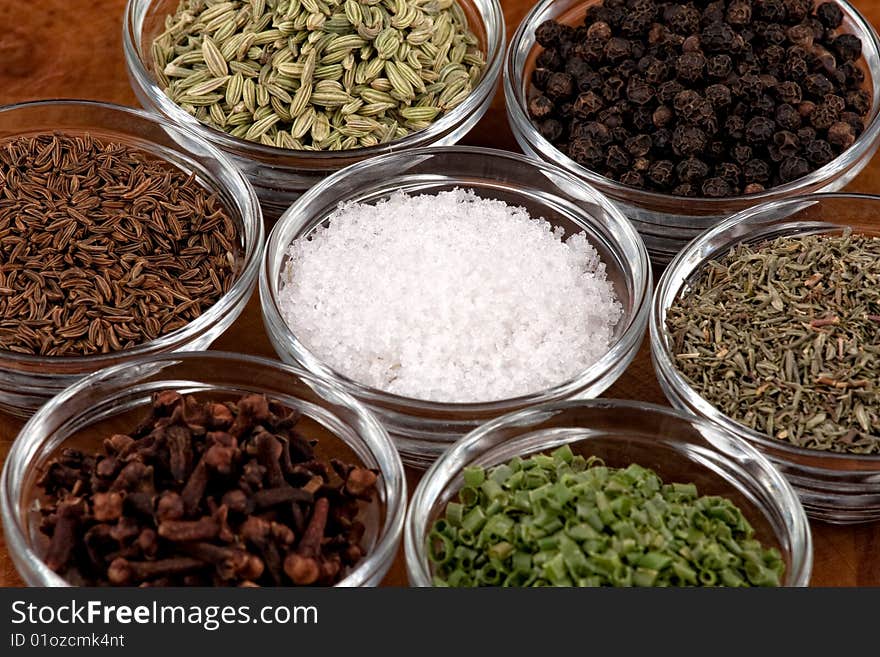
column 687, row 113
column 120, row 236
column 769, row 326
column 203, row 469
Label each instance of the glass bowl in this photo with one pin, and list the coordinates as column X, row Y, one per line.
column 280, row 175
column 114, row 399
column 423, row 429
column 26, row 382
column 841, row 488
column 678, row 447
column 667, row 223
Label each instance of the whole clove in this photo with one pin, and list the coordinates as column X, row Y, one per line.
column 643, row 85
column 205, row 493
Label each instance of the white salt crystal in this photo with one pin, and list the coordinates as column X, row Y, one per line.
column 451, row 298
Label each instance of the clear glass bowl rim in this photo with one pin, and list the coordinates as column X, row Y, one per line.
column 446, row 468
column 377, row 438
column 642, row 283
column 662, row 357
column 520, row 123
column 253, row 249
column 494, row 61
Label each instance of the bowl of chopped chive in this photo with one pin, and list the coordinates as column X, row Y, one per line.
column 769, row 327
column 121, row 237
column 203, row 469
column 446, row 286
column 605, row 493
column 686, row 114
column 295, row 90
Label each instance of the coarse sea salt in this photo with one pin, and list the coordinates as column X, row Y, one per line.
column 448, row 297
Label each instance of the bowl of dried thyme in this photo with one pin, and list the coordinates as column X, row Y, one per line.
column 686, row 114
column 769, row 326
column 121, row 236
column 605, row 493
column 294, row 90
column 203, row 469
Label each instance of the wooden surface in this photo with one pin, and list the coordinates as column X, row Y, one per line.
column 73, row 49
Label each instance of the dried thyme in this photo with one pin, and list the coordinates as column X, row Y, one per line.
column 784, row 337
column 318, row 74
column 102, row 247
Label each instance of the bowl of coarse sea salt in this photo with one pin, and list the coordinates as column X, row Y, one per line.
column 445, row 287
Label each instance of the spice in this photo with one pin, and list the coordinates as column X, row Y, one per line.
column 318, row 74
column 563, row 520
column 747, row 96
column 784, row 337
column 205, row 493
column 476, row 302
column 103, row 247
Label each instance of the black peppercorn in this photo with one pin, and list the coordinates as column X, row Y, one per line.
column 788, row 92
column 617, row 49
column 787, row 117
column 684, row 19
column 633, row 179
column 756, row 170
column 662, row 116
column 741, row 153
column 797, row 10
column 639, row 145
column 638, row 91
column 848, row 47
column 701, row 97
column 560, row 86
column 548, row 33
column 540, row 77
column 540, row 107
column 739, row 12
column 817, row 85
column 793, row 168
column 549, row 58
column 830, row 14
column 587, row 104
column 818, row 151
column 858, row 101
column 719, row 66
column 716, row 187
column 617, row 159
column 841, row 134
column 550, row 129
column 735, row 126
column 717, row 37
column 586, row 152
column 692, row 170
column 661, row 173
column 759, row 130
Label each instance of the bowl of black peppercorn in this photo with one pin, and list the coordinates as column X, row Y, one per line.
column 686, row 112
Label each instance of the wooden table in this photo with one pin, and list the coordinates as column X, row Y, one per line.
column 73, row 49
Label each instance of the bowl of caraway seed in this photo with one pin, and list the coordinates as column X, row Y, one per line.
column 605, row 492
column 294, row 90
column 203, row 469
column 769, row 326
column 686, row 114
column 120, row 237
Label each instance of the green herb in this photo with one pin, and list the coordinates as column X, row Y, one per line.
column 318, row 74
column 784, row 337
column 563, row 520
